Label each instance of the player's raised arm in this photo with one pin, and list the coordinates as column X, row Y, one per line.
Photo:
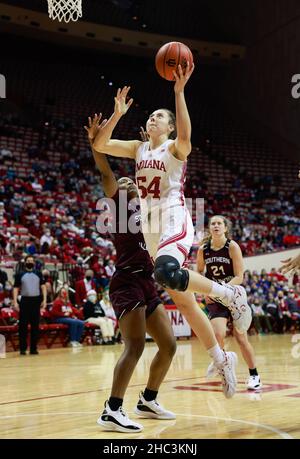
column 103, row 142
column 183, row 145
column 109, row 180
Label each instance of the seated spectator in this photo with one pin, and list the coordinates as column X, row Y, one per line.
column 83, row 286
column 101, row 277
column 110, row 269
column 78, row 271
column 260, row 319
column 94, row 314
column 284, row 315
column 49, row 285
column 63, row 312
column 293, row 305
column 108, row 309
column 46, row 241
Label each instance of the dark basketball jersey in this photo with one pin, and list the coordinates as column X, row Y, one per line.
column 219, row 266
column 131, row 249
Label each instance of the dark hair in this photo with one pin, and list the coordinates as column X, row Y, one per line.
column 227, row 223
column 172, row 121
column 28, row 256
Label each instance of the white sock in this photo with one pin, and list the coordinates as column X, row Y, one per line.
column 217, row 354
column 222, row 292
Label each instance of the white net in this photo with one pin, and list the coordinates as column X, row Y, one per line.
column 65, row 10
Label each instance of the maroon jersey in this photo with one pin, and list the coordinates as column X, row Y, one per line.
column 219, row 266
column 131, row 249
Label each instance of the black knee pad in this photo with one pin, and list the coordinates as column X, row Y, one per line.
column 167, row 272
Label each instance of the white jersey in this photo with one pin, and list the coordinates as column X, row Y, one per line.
column 160, row 176
column 166, row 222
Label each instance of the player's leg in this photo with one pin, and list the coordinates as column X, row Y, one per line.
column 223, row 362
column 219, row 327
column 218, row 323
column 248, row 354
column 133, row 329
column 159, row 327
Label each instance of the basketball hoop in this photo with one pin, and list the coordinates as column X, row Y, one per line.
column 65, row 10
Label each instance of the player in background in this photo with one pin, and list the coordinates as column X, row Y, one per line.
column 138, row 308
column 222, row 259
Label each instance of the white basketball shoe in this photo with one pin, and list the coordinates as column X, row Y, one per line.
column 238, row 307
column 117, row 421
column 152, row 409
column 226, row 371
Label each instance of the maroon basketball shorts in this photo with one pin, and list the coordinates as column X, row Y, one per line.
column 128, row 291
column 217, row 310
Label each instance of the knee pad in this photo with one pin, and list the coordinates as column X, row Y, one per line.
column 167, row 272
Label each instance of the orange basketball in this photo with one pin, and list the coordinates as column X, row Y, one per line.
column 169, row 56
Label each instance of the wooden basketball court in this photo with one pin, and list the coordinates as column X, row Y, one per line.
column 61, row 392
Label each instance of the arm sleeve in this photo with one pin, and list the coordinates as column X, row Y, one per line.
column 18, row 278
column 42, row 280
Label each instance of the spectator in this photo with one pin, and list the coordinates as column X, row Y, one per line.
column 63, row 312
column 108, row 309
column 94, row 314
column 3, row 277
column 49, row 285
column 110, row 269
column 46, row 241
column 284, row 315
column 260, row 319
column 83, row 286
column 31, row 285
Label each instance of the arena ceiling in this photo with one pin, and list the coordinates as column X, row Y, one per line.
column 209, row 20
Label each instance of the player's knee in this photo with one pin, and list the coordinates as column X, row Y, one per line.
column 168, row 273
column 171, row 348
column 134, row 347
column 241, row 339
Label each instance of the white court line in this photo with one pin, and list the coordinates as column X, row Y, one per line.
column 281, row 433
column 257, row 424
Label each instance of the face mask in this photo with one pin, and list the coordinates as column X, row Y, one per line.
column 29, row 265
column 88, row 278
column 92, row 298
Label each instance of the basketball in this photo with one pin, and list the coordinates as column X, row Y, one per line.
column 169, row 56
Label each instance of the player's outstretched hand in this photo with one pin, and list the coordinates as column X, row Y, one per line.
column 94, row 125
column 290, row 264
column 121, row 106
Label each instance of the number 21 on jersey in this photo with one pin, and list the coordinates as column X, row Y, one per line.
column 218, row 270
